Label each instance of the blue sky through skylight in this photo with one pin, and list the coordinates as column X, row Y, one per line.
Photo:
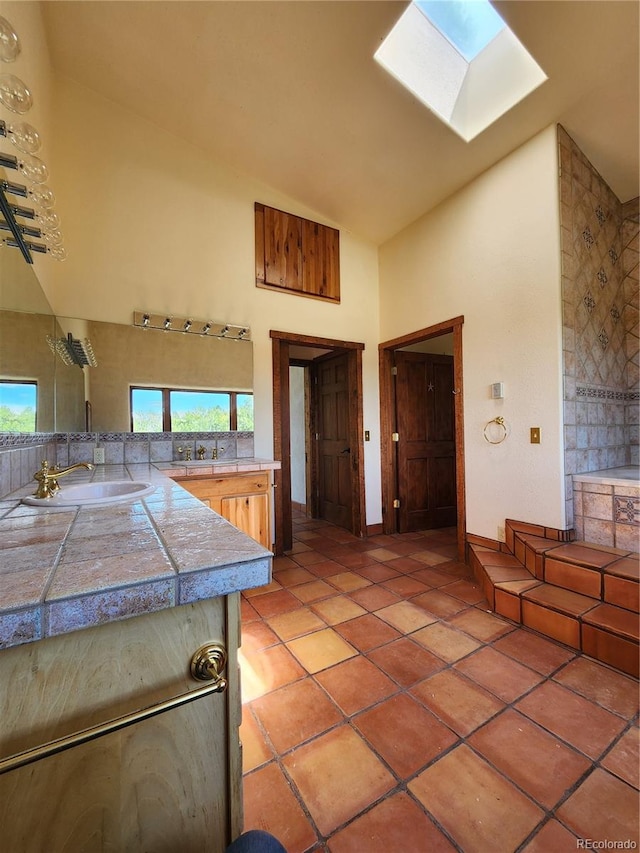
column 468, row 24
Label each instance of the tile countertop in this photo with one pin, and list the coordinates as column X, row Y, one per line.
column 67, row 568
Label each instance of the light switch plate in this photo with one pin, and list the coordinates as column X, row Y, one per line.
column 98, row 455
column 535, row 435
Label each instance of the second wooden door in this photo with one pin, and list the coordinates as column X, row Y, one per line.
column 426, row 441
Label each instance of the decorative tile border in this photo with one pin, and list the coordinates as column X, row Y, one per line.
column 25, row 439
column 606, row 394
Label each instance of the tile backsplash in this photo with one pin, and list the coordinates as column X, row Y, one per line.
column 21, row 455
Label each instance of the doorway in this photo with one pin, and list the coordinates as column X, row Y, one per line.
column 422, row 446
column 335, row 459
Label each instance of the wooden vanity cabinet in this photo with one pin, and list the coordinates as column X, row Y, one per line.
column 243, row 499
column 168, row 783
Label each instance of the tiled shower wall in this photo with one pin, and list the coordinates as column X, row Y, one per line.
column 599, row 240
column 21, row 454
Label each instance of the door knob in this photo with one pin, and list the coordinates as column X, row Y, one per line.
column 347, row 450
column 208, row 663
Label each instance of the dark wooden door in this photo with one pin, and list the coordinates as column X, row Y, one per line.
column 335, row 498
column 425, row 420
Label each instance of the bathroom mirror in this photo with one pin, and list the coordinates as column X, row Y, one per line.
column 126, row 355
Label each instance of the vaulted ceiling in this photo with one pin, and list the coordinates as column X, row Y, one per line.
column 289, row 93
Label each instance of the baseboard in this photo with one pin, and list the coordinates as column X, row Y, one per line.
column 375, row 529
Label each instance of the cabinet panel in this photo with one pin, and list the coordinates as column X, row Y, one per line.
column 163, row 783
column 250, row 513
column 321, row 261
column 282, row 249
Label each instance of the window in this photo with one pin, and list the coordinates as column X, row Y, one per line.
column 178, row 410
column 461, row 61
column 18, row 406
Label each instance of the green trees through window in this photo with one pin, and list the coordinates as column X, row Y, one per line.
column 171, row 410
column 18, row 406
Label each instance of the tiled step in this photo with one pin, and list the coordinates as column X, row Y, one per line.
column 608, row 574
column 522, row 593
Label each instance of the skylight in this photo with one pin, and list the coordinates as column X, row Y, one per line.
column 461, row 60
column 468, row 24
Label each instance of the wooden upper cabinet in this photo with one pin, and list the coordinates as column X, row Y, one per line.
column 296, row 255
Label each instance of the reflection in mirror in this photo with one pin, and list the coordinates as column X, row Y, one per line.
column 25, row 358
column 126, row 356
column 26, row 319
column 129, row 356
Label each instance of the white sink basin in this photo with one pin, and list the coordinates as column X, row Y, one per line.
column 114, row 491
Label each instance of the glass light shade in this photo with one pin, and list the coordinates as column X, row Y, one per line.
column 52, row 237
column 58, row 253
column 33, row 169
column 9, row 41
column 24, row 136
column 41, row 196
column 47, row 219
column 14, row 94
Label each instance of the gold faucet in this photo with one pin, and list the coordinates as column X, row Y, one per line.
column 201, row 451
column 47, row 477
column 214, row 453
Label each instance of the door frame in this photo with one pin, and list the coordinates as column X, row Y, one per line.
column 388, row 425
column 280, row 346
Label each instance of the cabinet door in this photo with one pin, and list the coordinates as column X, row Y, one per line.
column 281, row 245
column 250, row 513
column 168, row 783
column 321, row 261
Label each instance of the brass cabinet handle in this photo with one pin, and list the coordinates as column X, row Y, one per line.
column 206, row 665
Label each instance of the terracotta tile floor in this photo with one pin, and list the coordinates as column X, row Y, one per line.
column 385, row 709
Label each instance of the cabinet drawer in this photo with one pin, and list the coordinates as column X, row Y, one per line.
column 211, row 487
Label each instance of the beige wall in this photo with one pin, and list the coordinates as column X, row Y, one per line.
column 491, row 253
column 152, row 224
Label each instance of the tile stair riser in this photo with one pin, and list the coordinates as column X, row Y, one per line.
column 622, row 592
column 573, row 578
column 610, row 649
column 509, row 605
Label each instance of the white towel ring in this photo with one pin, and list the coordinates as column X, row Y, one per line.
column 500, row 422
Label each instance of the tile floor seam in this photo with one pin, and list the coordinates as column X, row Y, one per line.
column 548, row 810
column 631, row 725
column 547, row 819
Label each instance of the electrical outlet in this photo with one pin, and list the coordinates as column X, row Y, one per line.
column 98, row 455
column 535, row 435
column 501, row 534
